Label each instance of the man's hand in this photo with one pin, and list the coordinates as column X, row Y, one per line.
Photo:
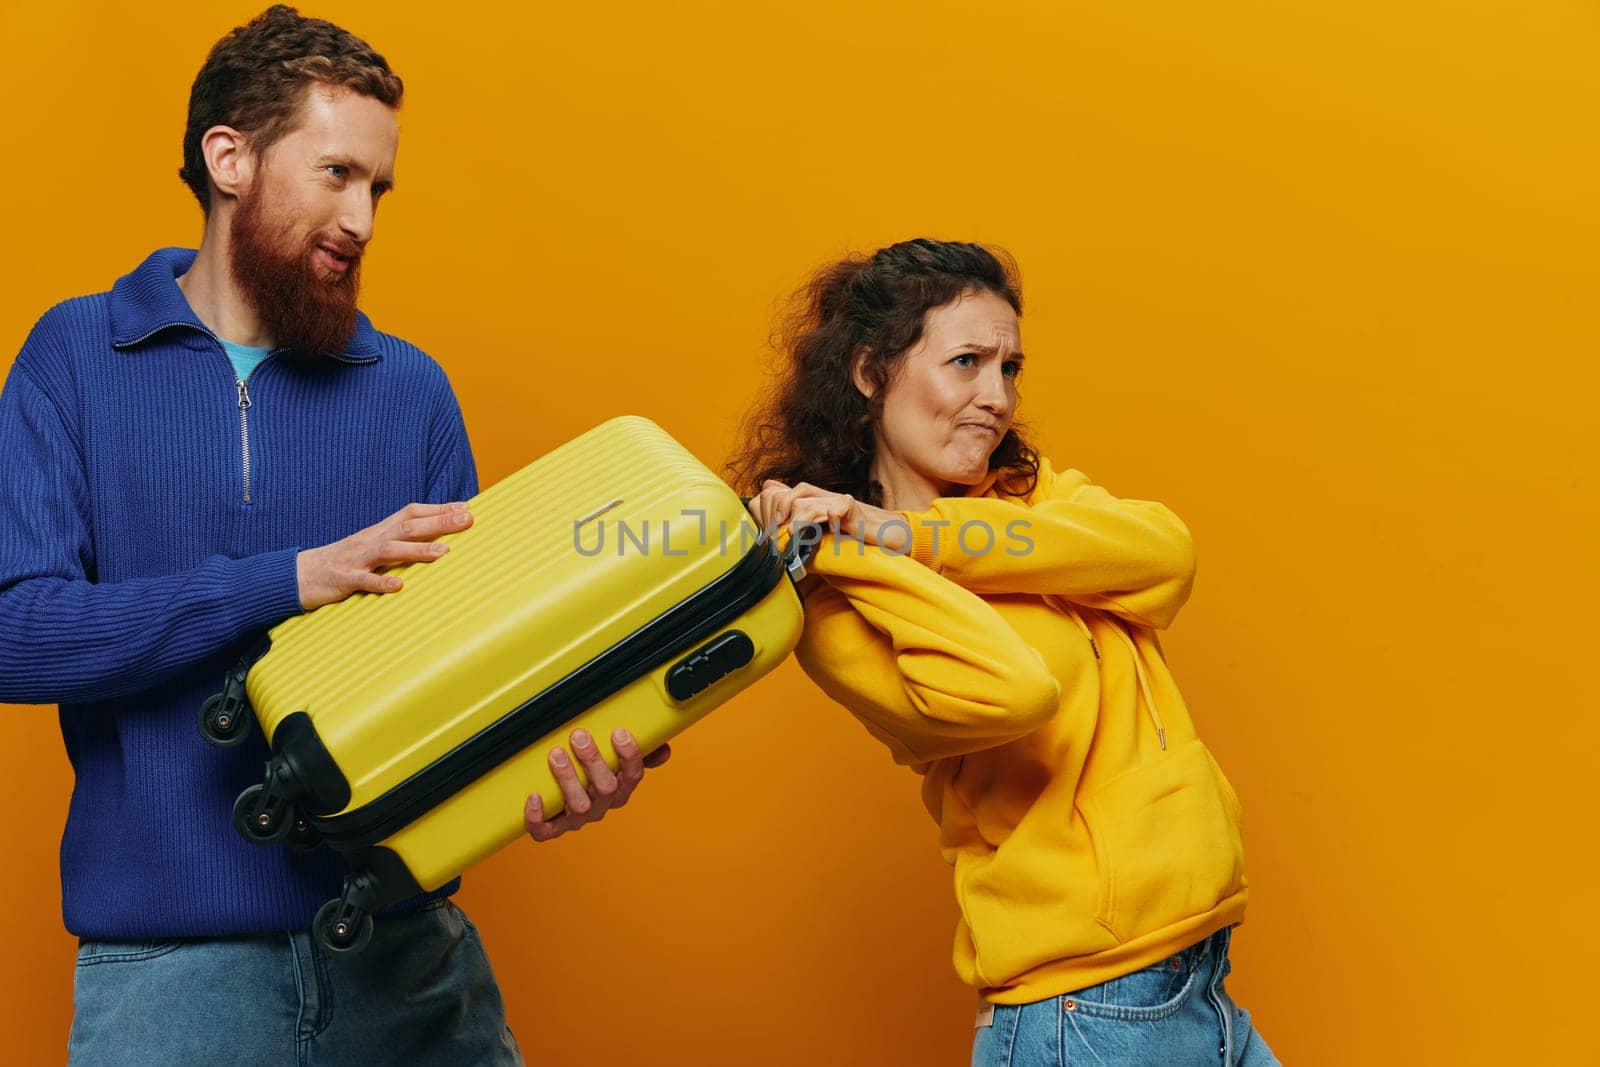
column 778, row 504
column 332, row 572
column 607, row 789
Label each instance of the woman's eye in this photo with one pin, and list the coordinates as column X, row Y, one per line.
column 968, row 356
column 1012, row 369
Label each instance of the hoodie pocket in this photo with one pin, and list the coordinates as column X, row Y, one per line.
column 1166, row 842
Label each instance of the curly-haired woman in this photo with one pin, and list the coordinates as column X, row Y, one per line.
column 993, row 622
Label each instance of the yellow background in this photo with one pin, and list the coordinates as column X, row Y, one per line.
column 1320, row 276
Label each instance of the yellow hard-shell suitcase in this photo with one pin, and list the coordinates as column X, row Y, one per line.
column 615, row 581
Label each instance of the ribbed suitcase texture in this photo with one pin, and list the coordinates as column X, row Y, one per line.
column 615, row 581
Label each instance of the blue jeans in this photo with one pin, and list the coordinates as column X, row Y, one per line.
column 1175, row 1013
column 420, row 993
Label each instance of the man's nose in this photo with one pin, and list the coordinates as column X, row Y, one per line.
column 356, row 218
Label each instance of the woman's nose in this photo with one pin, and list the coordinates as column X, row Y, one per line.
column 994, row 395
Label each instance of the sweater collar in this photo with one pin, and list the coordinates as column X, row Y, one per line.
column 147, row 301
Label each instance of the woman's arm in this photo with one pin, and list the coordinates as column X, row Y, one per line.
column 1132, row 558
column 928, row 667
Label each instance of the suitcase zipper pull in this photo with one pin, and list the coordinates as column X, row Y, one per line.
column 802, row 546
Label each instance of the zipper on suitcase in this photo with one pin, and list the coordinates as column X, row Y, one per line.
column 675, row 630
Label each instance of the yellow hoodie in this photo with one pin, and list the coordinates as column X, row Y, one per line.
column 1011, row 659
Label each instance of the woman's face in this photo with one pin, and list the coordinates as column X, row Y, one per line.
column 950, row 401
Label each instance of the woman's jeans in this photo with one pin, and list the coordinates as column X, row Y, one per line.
column 420, row 993
column 1175, row 1013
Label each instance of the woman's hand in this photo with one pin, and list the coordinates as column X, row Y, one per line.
column 778, row 505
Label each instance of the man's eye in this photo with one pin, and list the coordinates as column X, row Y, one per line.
column 336, row 170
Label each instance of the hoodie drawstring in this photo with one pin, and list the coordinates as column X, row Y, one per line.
column 1138, row 673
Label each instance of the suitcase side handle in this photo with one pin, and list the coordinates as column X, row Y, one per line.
column 802, row 546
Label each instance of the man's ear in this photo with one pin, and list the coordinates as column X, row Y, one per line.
column 858, row 372
column 229, row 161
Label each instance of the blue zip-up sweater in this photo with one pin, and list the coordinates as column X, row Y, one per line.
column 151, row 509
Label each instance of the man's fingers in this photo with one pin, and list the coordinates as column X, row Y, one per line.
column 419, row 510
column 423, row 528
column 366, row 581
column 572, row 791
column 602, row 782
column 541, row 829
column 630, row 763
column 415, row 510
column 580, row 806
column 533, row 820
column 410, row 552
column 416, row 522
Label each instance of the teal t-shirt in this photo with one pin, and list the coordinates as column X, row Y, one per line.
column 244, row 358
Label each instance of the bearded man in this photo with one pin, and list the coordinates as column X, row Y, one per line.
column 218, row 443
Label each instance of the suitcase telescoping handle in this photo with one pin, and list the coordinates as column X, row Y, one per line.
column 802, row 546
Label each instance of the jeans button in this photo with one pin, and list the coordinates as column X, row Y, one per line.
column 1070, row 1005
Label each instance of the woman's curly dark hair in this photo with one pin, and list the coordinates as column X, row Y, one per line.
column 813, row 425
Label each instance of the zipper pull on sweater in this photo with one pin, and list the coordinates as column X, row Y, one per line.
column 244, row 436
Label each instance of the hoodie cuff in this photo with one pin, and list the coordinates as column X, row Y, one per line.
column 926, row 539
column 266, row 590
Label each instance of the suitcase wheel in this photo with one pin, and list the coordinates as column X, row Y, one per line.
column 342, row 927
column 263, row 818
column 225, row 720
column 302, row 836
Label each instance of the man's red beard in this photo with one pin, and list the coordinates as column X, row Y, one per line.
column 301, row 305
